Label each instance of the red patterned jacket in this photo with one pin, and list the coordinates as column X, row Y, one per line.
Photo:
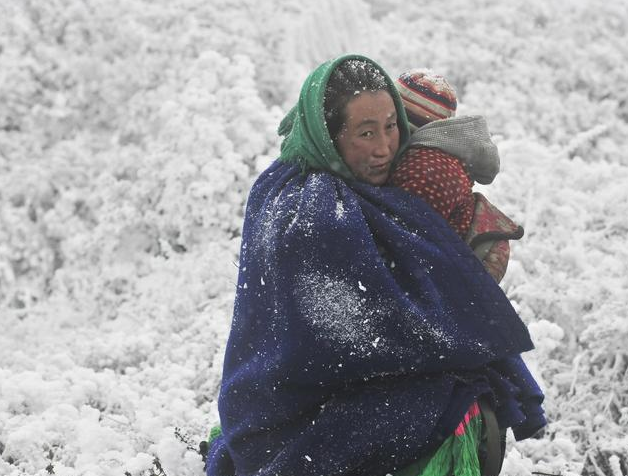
column 442, row 181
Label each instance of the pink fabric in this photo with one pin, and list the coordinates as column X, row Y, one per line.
column 472, row 412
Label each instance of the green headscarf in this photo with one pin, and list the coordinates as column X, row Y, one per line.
column 307, row 141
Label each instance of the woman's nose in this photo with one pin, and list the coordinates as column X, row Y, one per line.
column 383, row 146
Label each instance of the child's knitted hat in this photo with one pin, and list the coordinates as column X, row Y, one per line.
column 426, row 96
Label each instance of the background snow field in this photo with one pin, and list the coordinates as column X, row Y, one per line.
column 130, row 132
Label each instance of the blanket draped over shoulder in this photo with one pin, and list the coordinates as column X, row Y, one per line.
column 363, row 329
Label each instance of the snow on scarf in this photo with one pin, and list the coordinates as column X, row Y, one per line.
column 363, row 329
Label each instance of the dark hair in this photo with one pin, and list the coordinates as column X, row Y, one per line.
column 350, row 78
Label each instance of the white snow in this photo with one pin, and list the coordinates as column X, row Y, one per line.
column 340, row 210
column 130, row 133
column 336, row 310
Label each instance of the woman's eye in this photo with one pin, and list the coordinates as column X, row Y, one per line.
column 366, row 134
column 392, row 125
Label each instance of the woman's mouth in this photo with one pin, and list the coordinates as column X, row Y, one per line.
column 379, row 168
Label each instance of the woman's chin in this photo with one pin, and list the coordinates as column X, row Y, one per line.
column 378, row 178
column 379, row 181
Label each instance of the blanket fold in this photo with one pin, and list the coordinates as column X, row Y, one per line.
column 363, row 330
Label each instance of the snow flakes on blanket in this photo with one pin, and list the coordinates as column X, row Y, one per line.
column 344, row 313
column 340, row 210
column 424, row 330
column 268, row 228
column 340, row 312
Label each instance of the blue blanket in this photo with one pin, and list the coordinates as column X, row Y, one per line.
column 363, row 329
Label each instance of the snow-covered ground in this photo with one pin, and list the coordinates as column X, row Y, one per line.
column 130, row 132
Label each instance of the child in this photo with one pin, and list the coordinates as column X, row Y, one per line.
column 445, row 157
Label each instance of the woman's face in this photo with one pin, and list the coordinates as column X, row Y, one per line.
column 369, row 138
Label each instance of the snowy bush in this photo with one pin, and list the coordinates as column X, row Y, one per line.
column 536, row 70
column 126, row 160
column 130, row 132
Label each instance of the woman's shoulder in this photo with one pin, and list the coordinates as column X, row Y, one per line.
column 288, row 199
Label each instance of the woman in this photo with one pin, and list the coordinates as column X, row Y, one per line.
column 363, row 329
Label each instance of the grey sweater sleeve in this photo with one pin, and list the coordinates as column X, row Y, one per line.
column 468, row 139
